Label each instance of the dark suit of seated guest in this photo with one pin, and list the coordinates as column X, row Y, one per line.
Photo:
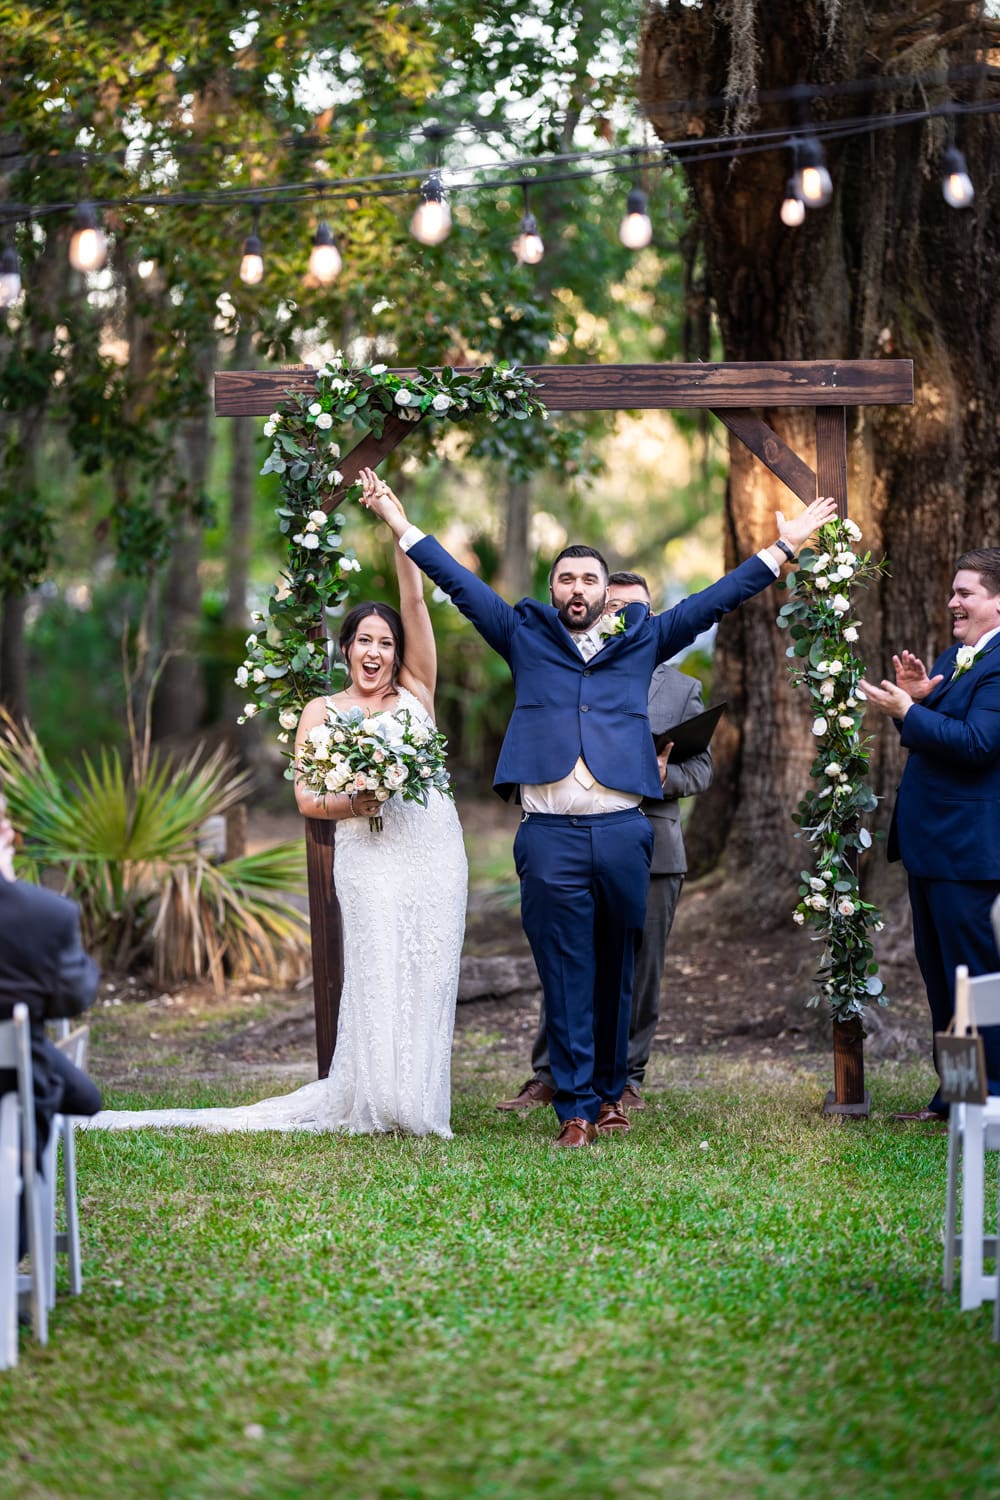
column 42, row 962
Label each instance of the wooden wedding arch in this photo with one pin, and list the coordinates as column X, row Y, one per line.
column 735, row 393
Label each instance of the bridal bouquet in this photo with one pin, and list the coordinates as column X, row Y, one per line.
column 385, row 753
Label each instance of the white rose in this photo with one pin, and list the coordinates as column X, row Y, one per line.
column 822, row 583
column 242, row 677
column 338, row 736
column 275, row 417
column 798, row 918
column 819, row 726
column 852, row 703
column 269, row 429
column 310, row 542
column 836, row 667
column 332, row 781
column 420, row 734
column 336, row 477
column 298, row 538
column 827, row 689
column 853, row 530
column 369, row 726
column 317, row 518
column 845, row 721
column 371, row 782
column 288, row 718
column 324, row 422
column 350, row 565
column 819, row 563
column 818, row 903
column 258, row 675
column 250, row 642
column 249, row 709
column 816, row 884
column 851, row 633
column 860, row 693
column 378, row 369
column 395, row 777
column 841, row 604
column 403, row 398
column 441, row 402
column 315, row 409
column 382, row 794
column 846, row 907
column 833, row 770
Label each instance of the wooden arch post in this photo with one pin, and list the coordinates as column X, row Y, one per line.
column 735, row 393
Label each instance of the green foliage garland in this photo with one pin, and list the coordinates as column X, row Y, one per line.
column 818, row 618
column 285, row 666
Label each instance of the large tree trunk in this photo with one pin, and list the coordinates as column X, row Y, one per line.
column 886, row 269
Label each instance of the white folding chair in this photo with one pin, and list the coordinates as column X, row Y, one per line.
column 973, row 1129
column 19, row 1174
column 74, row 1045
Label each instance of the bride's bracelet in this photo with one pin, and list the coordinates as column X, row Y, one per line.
column 350, row 802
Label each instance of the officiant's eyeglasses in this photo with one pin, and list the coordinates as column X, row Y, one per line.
column 614, row 605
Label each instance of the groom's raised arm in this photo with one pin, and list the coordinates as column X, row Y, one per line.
column 679, row 626
column 492, row 616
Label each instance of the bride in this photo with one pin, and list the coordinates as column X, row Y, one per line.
column 402, row 894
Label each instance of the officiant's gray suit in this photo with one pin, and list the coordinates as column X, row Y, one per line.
column 673, row 697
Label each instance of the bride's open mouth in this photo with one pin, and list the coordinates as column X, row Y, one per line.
column 371, row 669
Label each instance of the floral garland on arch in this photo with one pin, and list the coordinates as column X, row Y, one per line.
column 818, row 618
column 284, row 666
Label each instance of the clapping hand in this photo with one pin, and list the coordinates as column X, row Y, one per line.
column 911, row 676
column 800, row 528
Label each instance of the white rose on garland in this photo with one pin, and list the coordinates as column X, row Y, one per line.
column 832, row 816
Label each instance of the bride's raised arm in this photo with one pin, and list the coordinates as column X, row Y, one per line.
column 419, row 670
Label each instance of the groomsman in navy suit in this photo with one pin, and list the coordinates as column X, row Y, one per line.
column 579, row 754
column 946, row 822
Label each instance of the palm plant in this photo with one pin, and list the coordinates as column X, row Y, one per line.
column 126, row 843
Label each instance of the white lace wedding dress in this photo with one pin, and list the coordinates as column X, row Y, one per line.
column 402, row 894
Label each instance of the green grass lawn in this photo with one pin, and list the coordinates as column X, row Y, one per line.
column 741, row 1299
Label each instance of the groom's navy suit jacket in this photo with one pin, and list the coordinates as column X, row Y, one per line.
column 946, row 822
column 565, row 707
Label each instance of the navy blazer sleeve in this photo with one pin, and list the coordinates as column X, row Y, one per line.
column 972, row 741
column 678, row 627
column 492, row 616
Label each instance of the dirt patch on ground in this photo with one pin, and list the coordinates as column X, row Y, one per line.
column 729, row 988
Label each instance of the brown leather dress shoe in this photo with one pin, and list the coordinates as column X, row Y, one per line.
column 632, row 1099
column 532, row 1093
column 938, row 1115
column 576, row 1132
column 613, row 1120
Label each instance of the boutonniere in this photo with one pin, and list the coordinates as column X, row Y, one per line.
column 610, row 626
column 963, row 660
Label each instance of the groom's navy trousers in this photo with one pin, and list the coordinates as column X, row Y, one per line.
column 583, row 903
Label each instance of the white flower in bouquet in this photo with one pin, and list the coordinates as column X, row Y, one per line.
column 324, row 421
column 819, row 726
column 441, row 402
column 798, row 918
column 827, row 689
column 833, row 770
column 315, row 409
column 821, row 581
column 242, row 677
column 259, row 675
column 852, row 529
column 403, row 397
column 846, row 907
column 836, row 667
column 851, row 633
column 841, row 604
column 317, row 518
column 845, row 721
column 821, row 562
column 288, row 718
column 816, row 883
column 378, row 369
column 249, row 709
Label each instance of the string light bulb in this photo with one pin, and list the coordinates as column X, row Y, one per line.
column 812, row 178
column 636, row 229
column 431, row 222
column 793, row 210
column 325, row 261
column 252, row 264
column 88, row 246
column 528, row 247
column 10, row 277
column 957, row 185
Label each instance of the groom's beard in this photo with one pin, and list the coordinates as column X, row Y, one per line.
column 580, row 622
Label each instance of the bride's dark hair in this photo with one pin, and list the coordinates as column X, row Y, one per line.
column 352, row 621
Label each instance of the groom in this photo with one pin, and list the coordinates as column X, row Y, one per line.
column 579, row 754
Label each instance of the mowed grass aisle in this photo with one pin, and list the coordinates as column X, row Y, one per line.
column 742, row 1299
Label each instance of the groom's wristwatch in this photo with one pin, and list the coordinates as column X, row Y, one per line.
column 783, row 546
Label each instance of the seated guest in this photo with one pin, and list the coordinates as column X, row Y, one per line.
column 42, row 962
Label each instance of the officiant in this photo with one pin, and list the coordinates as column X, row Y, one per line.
column 674, row 698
